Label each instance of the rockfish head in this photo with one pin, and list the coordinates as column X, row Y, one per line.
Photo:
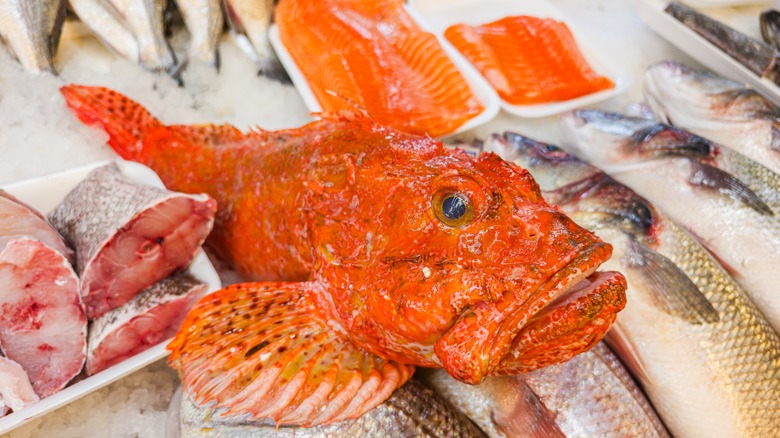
column 437, row 258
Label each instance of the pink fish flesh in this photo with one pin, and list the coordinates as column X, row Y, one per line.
column 17, row 219
column 16, row 391
column 42, row 322
column 149, row 318
column 128, row 236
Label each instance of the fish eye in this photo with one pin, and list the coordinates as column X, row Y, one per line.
column 453, row 208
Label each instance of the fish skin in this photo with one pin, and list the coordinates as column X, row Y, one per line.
column 744, row 239
column 31, row 30
column 105, row 211
column 42, row 325
column 357, row 256
column 16, row 391
column 145, row 19
column 18, row 219
column 706, row 357
column 721, row 110
column 758, row 57
column 769, row 21
column 108, row 26
column 413, row 410
column 204, row 22
column 590, row 395
column 149, row 318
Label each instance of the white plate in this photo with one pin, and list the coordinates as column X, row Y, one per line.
column 44, row 194
column 438, row 15
column 652, row 12
column 479, row 86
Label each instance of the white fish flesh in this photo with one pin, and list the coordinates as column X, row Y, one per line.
column 18, row 219
column 151, row 317
column 128, row 236
column 42, row 324
column 706, row 357
column 591, row 395
column 31, row 30
column 720, row 210
column 16, row 392
column 716, row 108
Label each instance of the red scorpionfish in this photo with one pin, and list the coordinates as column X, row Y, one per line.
column 373, row 252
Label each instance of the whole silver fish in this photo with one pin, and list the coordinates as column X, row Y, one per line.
column 204, row 22
column 706, row 357
column 412, row 411
column 590, row 395
column 145, row 18
column 252, row 18
column 128, row 236
column 716, row 108
column 31, row 30
column 108, row 26
column 757, row 56
column 656, row 161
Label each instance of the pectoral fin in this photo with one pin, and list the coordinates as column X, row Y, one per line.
column 675, row 293
column 710, row 177
column 259, row 351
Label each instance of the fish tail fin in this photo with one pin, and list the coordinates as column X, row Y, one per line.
column 125, row 121
column 259, row 351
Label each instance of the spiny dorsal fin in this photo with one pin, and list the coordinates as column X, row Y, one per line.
column 676, row 294
column 258, row 351
column 704, row 175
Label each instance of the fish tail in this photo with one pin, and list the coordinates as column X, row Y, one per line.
column 125, row 121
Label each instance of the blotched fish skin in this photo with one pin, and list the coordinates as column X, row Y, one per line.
column 151, row 317
column 412, row 411
column 727, row 217
column 31, row 30
column 204, row 22
column 758, row 57
column 145, row 18
column 128, row 236
column 108, row 26
column 716, row 108
column 706, row 357
column 590, row 395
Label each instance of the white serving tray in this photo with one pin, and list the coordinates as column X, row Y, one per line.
column 479, row 86
column 438, row 15
column 44, row 194
column 652, row 12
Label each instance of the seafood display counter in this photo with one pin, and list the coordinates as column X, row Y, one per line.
column 41, row 141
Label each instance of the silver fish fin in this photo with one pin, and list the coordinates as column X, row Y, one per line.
column 677, row 295
column 704, row 175
column 55, row 27
column 618, row 340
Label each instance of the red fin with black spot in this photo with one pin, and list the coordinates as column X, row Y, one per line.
column 259, row 351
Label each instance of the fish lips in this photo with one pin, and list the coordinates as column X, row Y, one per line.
column 484, row 339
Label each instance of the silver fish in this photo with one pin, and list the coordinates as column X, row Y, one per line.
column 757, row 56
column 151, row 317
column 204, row 22
column 716, row 108
column 412, row 411
column 590, row 395
column 706, row 357
column 252, row 18
column 721, row 211
column 128, row 236
column 145, row 18
column 31, row 29
column 108, row 26
column 769, row 21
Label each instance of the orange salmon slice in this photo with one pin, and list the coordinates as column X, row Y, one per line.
column 528, row 60
column 372, row 55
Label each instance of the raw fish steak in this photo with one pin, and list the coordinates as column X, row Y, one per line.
column 148, row 319
column 18, row 219
column 16, row 391
column 128, row 236
column 42, row 321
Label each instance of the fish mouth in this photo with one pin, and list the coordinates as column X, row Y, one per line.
column 492, row 338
